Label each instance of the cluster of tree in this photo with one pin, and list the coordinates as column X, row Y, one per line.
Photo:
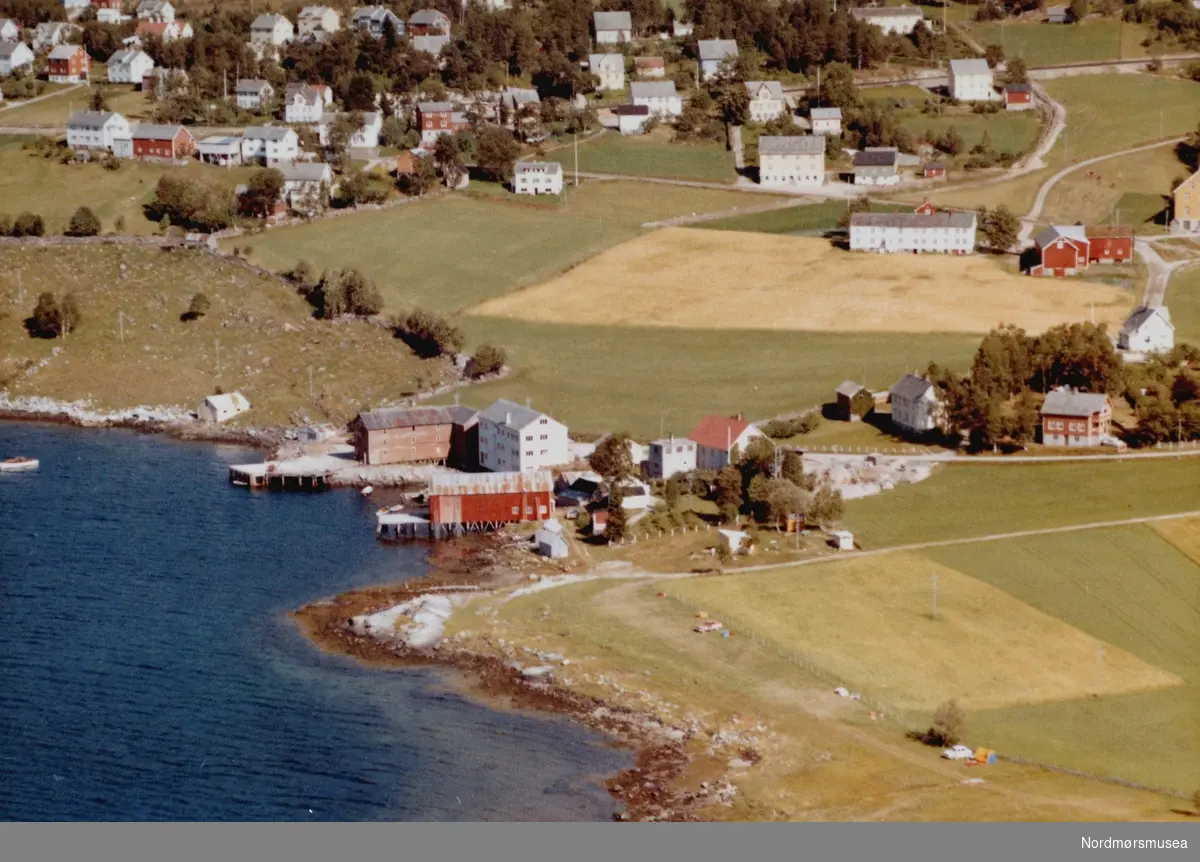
column 83, row 223
column 780, row 429
column 347, row 291
column 25, row 224
column 949, row 722
column 52, row 318
column 362, row 187
column 1165, row 393
column 30, row 13
column 1000, row 228
column 429, row 335
column 753, row 485
column 192, row 203
column 197, row 308
column 1177, row 21
column 488, row 359
column 996, row 403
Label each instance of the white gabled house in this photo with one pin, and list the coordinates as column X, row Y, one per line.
column 609, row 68
column 671, row 455
column 612, row 28
column 766, row 100
column 720, row 440
column 219, row 408
column 253, row 93
column 270, row 145
column 714, row 52
column 50, row 33
column 537, row 178
column 96, row 130
column 270, row 29
column 826, row 121
column 306, row 185
column 971, row 81
column 129, row 67
column 10, row 30
column 306, row 104
column 155, row 10
column 785, row 161
column 15, row 57
column 516, row 438
column 1147, row 330
column 317, row 22
column 917, row 406
column 373, row 21
column 659, row 96
column 365, row 136
column 938, row 233
column 631, row 119
column 891, row 19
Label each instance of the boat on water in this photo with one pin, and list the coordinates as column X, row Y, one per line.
column 18, row 465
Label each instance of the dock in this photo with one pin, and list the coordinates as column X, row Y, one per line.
column 409, row 523
column 302, row 474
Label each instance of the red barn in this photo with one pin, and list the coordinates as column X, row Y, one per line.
column 1018, row 97
column 67, row 64
column 1110, row 244
column 490, row 499
column 1063, row 250
column 934, row 170
column 169, row 143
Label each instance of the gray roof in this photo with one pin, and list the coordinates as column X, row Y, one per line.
column 775, row 88
column 220, row 141
column 1018, row 88
column 911, row 386
column 849, row 388
column 520, row 96
column 427, row 17
column 784, row 145
column 430, row 44
column 1068, row 402
column 65, row 52
column 252, row 85
column 434, row 107
column 973, row 66
column 502, row 411
column 613, row 21
column 90, row 119
column 716, row 49
column 596, row 61
column 913, row 220
column 826, row 113
column 652, row 90
column 155, row 131
column 267, row 133
column 875, row 159
column 306, row 172
column 537, row 167
column 1074, row 232
column 888, row 12
column 414, row 417
column 314, row 11
column 8, row 48
column 267, row 21
column 1134, row 322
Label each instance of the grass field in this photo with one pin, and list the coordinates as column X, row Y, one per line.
column 1135, row 188
column 914, row 661
column 680, row 277
column 1018, row 195
column 1183, row 298
column 977, row 500
column 55, row 191
column 1131, row 589
column 609, row 378
column 1011, row 131
column 268, row 339
column 50, row 112
column 809, row 219
column 1042, row 44
column 651, row 155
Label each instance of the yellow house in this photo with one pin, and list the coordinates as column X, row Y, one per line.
column 1187, row 204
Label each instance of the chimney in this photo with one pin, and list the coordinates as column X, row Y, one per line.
column 739, row 417
column 507, row 418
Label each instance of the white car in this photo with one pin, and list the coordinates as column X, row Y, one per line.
column 958, row 752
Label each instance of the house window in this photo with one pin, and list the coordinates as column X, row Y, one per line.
column 529, row 510
column 541, row 510
column 516, row 510
column 529, row 453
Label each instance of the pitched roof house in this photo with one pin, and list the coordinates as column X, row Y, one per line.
column 766, row 100
column 826, row 121
column 890, row 19
column 96, row 130
column 1147, row 330
column 712, row 53
column 719, row 440
column 609, row 68
column 612, row 27
column 791, row 160
column 252, row 93
column 513, row 437
column 167, row 31
column 317, row 22
column 156, row 10
column 129, row 66
column 67, row 64
column 1185, row 212
column 271, row 29
column 1073, row 418
column 10, row 30
column 397, row 435
column 971, row 80
column 938, row 233
column 373, row 21
column 14, row 56
column 429, row 22
column 1062, row 250
column 659, row 96
column 917, row 406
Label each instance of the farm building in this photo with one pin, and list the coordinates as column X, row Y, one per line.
column 1072, row 418
column 766, row 100
column 669, row 456
column 718, row 439
column 826, row 121
column 791, row 160
column 219, row 408
column 438, row 435
column 940, row 233
column 650, row 67
column 971, row 80
column 612, row 28
column 917, row 406
column 538, row 178
column 891, row 19
column 459, row 501
column 513, row 437
column 934, row 170
column 156, row 142
column 631, row 119
column 844, row 397
column 67, row 64
column 714, row 52
column 1147, row 330
column 1018, row 97
column 550, row 540
column 876, row 168
column 1070, row 249
column 609, row 68
column 1113, row 244
column 659, row 96
column 734, row 541
column 222, row 150
column 1186, row 209
column 843, row 540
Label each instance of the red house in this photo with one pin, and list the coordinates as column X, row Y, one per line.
column 934, row 170
column 1110, row 244
column 1018, row 97
column 1062, row 249
column 482, row 500
column 926, row 207
column 436, row 119
column 157, row 142
column 67, row 64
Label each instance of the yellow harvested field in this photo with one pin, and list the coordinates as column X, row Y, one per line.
column 700, row 279
column 1183, row 533
column 869, row 622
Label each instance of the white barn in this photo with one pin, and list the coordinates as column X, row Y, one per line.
column 219, row 408
column 512, row 437
column 939, row 233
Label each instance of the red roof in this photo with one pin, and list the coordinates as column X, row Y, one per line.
column 154, row 28
column 718, row 432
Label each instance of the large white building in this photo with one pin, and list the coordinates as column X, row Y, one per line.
column 96, row 130
column 613, row 28
column 971, row 81
column 537, row 178
column 365, row 137
column 317, row 22
column 891, row 19
column 129, row 67
column 941, row 233
column 270, row 145
column 271, row 29
column 1147, row 330
column 659, row 96
column 669, row 456
column 766, row 100
column 512, row 438
column 714, row 52
column 917, row 406
column 609, row 68
column 304, row 104
column 15, row 57
column 306, row 185
column 791, row 160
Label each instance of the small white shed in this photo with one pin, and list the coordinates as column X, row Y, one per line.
column 219, row 408
column 550, row 540
column 843, row 540
column 735, row 541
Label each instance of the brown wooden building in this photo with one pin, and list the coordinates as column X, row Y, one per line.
column 483, row 500
column 417, row 435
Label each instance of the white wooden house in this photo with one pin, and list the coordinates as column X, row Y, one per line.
column 714, row 52
column 937, row 233
column 1147, row 330
column 220, row 408
column 659, row 96
column 785, row 161
column 96, row 130
column 15, row 57
column 917, row 406
column 671, row 455
column 891, row 19
column 826, row 121
column 612, row 28
column 766, row 100
column 719, row 440
column 513, row 437
column 253, row 93
column 537, row 178
column 609, row 68
column 971, row 81
column 129, row 67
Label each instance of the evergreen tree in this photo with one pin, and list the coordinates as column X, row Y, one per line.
column 83, row 223
column 614, row 530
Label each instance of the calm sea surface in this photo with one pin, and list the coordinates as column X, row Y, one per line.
column 148, row 669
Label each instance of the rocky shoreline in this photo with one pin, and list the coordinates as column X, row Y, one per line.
column 649, row 790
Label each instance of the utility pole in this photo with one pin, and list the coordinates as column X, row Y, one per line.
column 1099, row 666
column 217, row 345
column 20, row 287
column 933, row 583
column 120, row 326
column 576, row 158
column 310, row 391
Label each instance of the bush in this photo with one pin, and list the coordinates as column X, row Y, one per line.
column 28, row 224
column 199, row 307
column 429, row 335
column 84, row 223
column 779, row 429
column 51, row 317
column 345, row 292
column 488, row 359
column 949, row 720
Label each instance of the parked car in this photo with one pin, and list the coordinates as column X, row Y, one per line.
column 958, row 752
column 708, row 626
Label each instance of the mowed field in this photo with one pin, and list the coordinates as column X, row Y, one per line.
column 1042, row 44
column 682, row 278
column 1183, row 298
column 912, row 660
column 652, row 155
column 1134, row 189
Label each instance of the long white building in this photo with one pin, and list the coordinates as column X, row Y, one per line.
column 96, row 130
column 512, row 437
column 791, row 160
column 537, row 178
column 940, row 233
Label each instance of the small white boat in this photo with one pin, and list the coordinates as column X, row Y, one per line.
column 18, row 465
column 366, row 492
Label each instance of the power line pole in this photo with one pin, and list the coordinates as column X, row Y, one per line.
column 310, row 391
column 1099, row 666
column 933, row 584
column 576, row 158
column 120, row 326
column 217, row 345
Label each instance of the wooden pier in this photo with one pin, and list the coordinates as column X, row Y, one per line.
column 280, row 477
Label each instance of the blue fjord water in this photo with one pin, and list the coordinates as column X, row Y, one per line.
column 148, row 669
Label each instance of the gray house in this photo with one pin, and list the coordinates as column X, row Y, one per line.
column 712, row 53
column 876, row 168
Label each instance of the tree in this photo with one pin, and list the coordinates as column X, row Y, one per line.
column 672, row 493
column 99, row 100
column 614, row 530
column 859, row 204
column 611, row 458
column 263, row 190
column 199, row 307
column 999, row 226
column 792, row 468
column 204, row 205
column 950, row 142
column 346, row 292
column 421, row 180
column 497, row 152
column 727, row 490
column 994, row 54
column 825, row 507
column 488, row 359
column 985, row 144
column 302, row 274
column 44, row 320
column 69, row 315
column 863, row 403
column 360, row 93
column 448, row 159
column 838, row 89
column 1016, row 71
column 785, row 498
column 430, row 335
column 949, row 721
column 1079, row 9
column 362, row 187
column 83, row 223
column 28, row 224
